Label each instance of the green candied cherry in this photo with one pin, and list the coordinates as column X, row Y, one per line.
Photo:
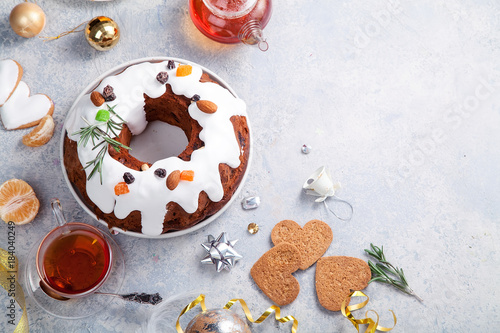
column 102, row 115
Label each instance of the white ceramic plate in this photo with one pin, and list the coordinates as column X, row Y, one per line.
column 91, row 87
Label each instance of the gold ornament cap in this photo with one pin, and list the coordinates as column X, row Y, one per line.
column 102, row 33
column 27, row 19
column 253, row 228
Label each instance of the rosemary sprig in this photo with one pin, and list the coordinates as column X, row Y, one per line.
column 385, row 272
column 95, row 133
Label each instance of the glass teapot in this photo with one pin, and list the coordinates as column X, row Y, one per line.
column 232, row 21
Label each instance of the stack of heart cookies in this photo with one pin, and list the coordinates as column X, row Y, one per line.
column 299, row 248
column 20, row 110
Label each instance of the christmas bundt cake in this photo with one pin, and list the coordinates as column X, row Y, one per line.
column 175, row 193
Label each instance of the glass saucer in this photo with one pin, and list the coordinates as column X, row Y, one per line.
column 75, row 308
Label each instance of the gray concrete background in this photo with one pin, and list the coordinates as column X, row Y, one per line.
column 400, row 99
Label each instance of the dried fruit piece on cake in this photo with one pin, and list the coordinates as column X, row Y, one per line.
column 184, row 70
column 18, row 202
column 187, row 175
column 121, row 188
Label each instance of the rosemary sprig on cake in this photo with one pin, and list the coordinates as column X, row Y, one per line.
column 383, row 271
column 95, row 133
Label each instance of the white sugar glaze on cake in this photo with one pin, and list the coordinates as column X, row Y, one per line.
column 148, row 193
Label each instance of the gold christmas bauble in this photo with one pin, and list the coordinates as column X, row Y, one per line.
column 102, row 33
column 27, row 19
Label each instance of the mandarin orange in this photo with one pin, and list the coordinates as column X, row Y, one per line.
column 18, row 202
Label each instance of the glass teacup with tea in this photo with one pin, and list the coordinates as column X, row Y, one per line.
column 74, row 259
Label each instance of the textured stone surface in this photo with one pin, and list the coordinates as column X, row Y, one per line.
column 401, row 102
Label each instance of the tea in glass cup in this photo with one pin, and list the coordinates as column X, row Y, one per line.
column 74, row 259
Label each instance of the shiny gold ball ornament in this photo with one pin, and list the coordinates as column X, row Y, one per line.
column 253, row 228
column 102, row 33
column 27, row 19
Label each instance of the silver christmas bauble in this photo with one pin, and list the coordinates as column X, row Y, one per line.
column 217, row 321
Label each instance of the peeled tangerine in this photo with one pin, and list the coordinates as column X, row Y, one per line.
column 18, row 202
column 41, row 134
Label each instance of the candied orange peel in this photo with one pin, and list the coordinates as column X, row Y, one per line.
column 121, row 188
column 184, row 70
column 187, row 175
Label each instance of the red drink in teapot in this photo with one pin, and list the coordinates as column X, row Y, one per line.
column 232, row 21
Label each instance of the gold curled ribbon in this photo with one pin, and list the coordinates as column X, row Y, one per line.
column 8, row 279
column 267, row 313
column 199, row 300
column 372, row 325
column 277, row 311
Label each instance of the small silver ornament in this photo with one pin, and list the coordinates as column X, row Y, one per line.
column 306, row 149
column 250, row 202
column 220, row 252
column 217, row 321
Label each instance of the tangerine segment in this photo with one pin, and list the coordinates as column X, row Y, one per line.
column 41, row 134
column 18, row 202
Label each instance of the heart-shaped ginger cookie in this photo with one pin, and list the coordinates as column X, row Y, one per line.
column 337, row 276
column 10, row 75
column 23, row 110
column 312, row 241
column 273, row 273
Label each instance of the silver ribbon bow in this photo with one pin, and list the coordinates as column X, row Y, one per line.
column 220, row 252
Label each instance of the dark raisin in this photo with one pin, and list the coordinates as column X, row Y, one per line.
column 195, row 98
column 171, row 64
column 108, row 93
column 128, row 178
column 162, row 77
column 111, row 97
column 162, row 173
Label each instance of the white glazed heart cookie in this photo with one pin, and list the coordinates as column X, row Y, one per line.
column 10, row 75
column 22, row 110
